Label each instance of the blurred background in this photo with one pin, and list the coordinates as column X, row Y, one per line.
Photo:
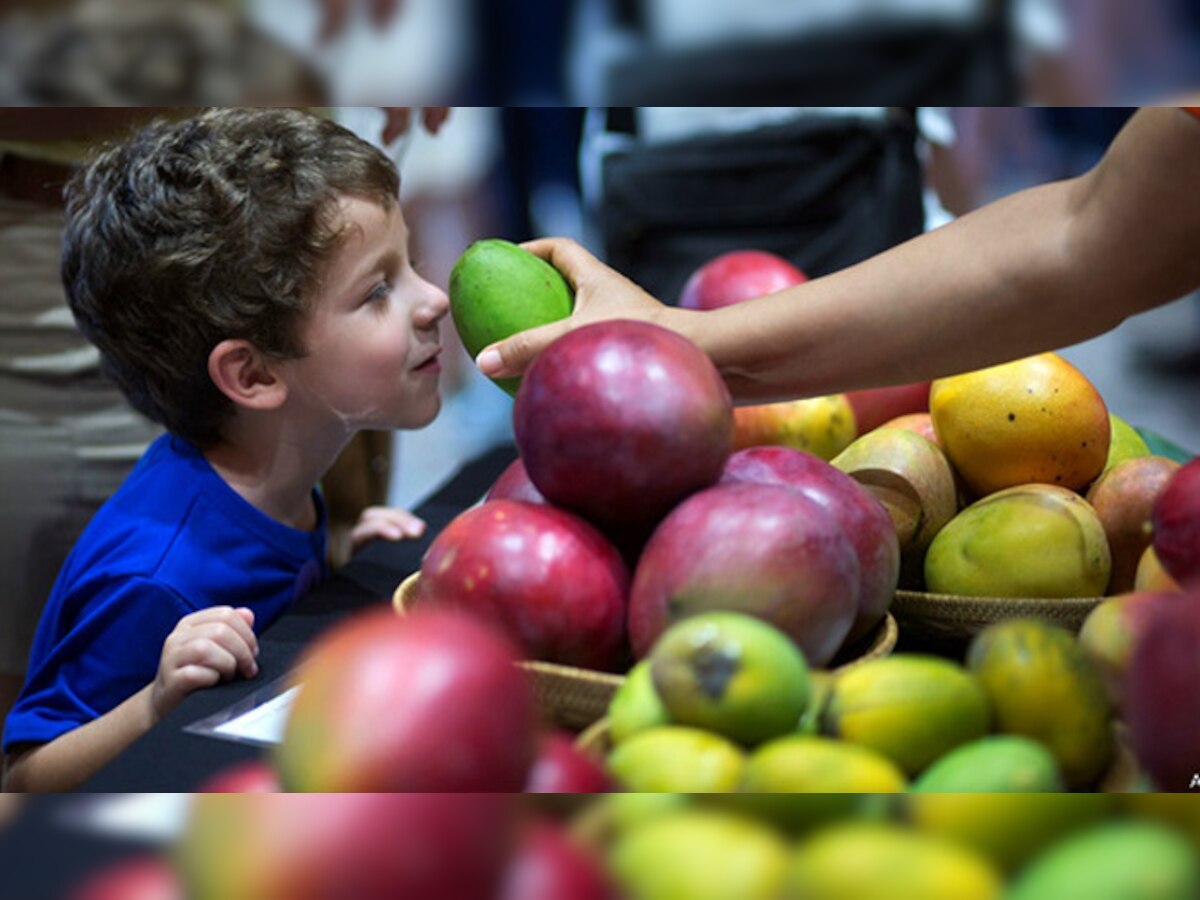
column 543, row 141
column 530, row 151
column 538, row 52
column 978, row 99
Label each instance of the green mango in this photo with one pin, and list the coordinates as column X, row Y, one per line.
column 1009, row 830
column 802, row 764
column 911, row 708
column 1114, row 861
column 1124, row 444
column 498, row 289
column 1002, row 763
column 674, row 759
column 700, row 855
column 635, row 706
column 732, row 674
column 1042, row 685
column 886, row 861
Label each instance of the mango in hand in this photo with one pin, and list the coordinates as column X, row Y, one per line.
column 498, row 289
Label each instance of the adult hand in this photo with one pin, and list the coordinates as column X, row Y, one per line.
column 399, row 117
column 387, row 523
column 600, row 293
column 336, row 14
column 206, row 647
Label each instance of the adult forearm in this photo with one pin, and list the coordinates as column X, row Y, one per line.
column 953, row 299
column 1041, row 269
column 66, row 762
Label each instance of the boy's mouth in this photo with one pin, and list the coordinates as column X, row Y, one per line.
column 431, row 364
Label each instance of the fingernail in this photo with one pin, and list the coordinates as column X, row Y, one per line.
column 253, row 669
column 489, row 362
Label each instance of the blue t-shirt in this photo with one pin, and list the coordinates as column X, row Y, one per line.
column 173, row 540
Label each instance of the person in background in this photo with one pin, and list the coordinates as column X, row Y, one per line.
column 245, row 276
column 1041, row 269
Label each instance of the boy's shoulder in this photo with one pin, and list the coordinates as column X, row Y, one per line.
column 134, row 529
column 176, row 522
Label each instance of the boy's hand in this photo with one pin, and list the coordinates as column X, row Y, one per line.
column 387, row 523
column 206, row 647
column 600, row 293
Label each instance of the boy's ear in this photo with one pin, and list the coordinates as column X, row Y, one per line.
column 242, row 374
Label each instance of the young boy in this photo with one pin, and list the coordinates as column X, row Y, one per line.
column 245, row 276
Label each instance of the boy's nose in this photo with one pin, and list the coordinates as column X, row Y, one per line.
column 433, row 306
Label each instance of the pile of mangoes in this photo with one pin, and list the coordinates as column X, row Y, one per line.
column 1017, row 483
column 910, row 777
column 725, row 703
column 920, row 847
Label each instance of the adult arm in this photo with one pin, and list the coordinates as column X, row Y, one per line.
column 1041, row 269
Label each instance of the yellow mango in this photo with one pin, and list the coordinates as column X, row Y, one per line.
column 1034, row 540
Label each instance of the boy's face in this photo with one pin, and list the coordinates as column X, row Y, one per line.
column 372, row 331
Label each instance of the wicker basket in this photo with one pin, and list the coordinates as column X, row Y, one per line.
column 951, row 617
column 575, row 698
column 568, row 696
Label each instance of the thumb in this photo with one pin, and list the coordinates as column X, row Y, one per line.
column 246, row 613
column 512, row 356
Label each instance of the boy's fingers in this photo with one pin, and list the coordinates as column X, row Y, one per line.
column 241, row 620
column 235, row 656
column 237, row 641
column 393, row 515
column 410, row 525
column 390, row 524
column 192, row 677
column 513, row 355
column 209, row 654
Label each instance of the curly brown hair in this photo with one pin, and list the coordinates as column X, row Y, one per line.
column 192, row 232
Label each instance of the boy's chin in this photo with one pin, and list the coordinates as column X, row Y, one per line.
column 418, row 416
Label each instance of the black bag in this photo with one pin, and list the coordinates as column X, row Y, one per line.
column 917, row 63
column 822, row 192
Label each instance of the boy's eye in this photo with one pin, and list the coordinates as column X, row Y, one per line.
column 381, row 291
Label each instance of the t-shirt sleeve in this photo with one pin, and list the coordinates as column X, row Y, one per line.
column 109, row 652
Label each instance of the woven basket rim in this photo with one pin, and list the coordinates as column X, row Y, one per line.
column 967, row 600
column 960, row 618
column 883, row 641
